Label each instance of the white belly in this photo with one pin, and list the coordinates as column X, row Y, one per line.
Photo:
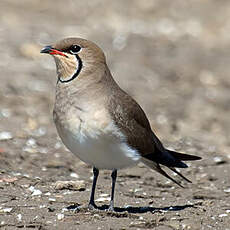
column 104, row 149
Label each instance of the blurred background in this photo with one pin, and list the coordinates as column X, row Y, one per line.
column 171, row 56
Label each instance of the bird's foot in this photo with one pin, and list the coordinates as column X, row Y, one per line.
column 111, row 208
column 92, row 206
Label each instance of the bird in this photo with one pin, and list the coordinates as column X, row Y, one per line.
column 98, row 121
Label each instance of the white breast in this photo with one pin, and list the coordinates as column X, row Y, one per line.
column 97, row 142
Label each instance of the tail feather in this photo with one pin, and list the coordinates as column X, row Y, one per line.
column 183, row 156
column 161, row 171
column 166, row 158
column 156, row 167
column 172, row 160
column 178, row 173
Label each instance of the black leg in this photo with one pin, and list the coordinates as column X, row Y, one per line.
column 114, row 177
column 95, row 175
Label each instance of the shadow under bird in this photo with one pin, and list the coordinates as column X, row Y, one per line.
column 98, row 121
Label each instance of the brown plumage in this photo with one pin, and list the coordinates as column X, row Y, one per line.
column 98, row 121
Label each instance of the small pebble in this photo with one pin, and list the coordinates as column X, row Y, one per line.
column 8, row 180
column 96, row 216
column 138, row 189
column 5, row 136
column 35, row 192
column 29, row 149
column 223, row 215
column 31, row 142
column 64, row 210
column 58, row 145
column 67, row 192
column 218, row 160
column 102, row 199
column 60, row 216
column 27, row 175
column 104, row 195
column 74, row 175
column 35, row 218
column 227, row 190
column 6, row 210
column 19, row 217
column 72, row 185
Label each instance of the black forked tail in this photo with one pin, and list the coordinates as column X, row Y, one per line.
column 172, row 160
column 183, row 157
column 179, row 174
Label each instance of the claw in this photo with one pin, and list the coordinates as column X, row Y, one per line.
column 111, row 209
column 92, row 206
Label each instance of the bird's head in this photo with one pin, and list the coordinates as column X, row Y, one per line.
column 75, row 57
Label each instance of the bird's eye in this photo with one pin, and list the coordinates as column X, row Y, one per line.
column 74, row 49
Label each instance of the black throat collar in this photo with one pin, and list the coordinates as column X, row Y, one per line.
column 76, row 73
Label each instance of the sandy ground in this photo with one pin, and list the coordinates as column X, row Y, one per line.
column 172, row 57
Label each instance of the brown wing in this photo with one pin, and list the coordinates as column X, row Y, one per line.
column 132, row 121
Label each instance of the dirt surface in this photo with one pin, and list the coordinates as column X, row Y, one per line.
column 172, row 57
